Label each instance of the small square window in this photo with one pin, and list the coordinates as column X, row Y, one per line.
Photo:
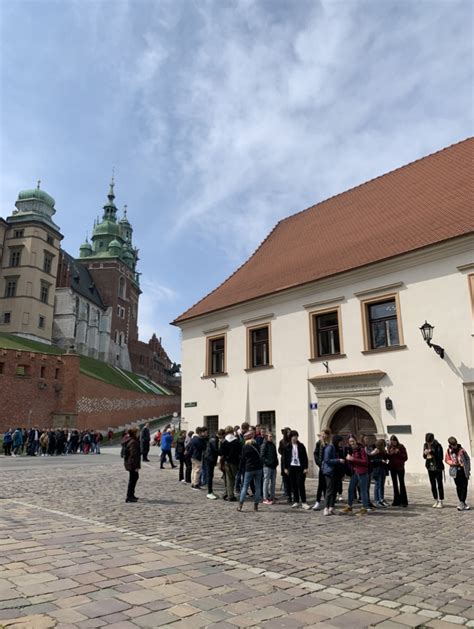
column 18, row 233
column 41, row 321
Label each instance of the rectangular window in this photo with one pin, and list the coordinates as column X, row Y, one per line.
column 50, row 240
column 44, row 294
column 15, row 257
column 47, row 262
column 267, row 419
column 216, row 354
column 382, row 318
column 7, row 317
column 22, row 370
column 10, row 288
column 2, row 368
column 18, row 233
column 56, row 373
column 259, row 346
column 41, row 321
column 326, row 334
column 42, row 371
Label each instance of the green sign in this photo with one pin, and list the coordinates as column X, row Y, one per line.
column 190, row 404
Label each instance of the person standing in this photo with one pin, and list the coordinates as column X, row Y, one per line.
column 166, row 441
column 145, row 442
column 210, row 457
column 131, row 461
column 284, row 441
column 7, row 442
column 251, row 467
column 397, row 457
column 331, row 465
column 460, row 469
column 359, row 462
column 230, row 457
column 318, row 459
column 196, row 447
column 269, row 456
column 434, row 456
column 17, row 441
column 187, row 457
column 296, row 467
column 179, row 454
column 378, row 459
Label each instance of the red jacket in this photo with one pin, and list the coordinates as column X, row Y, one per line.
column 396, row 460
column 360, row 464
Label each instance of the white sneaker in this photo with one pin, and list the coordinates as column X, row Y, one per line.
column 440, row 504
column 331, row 511
column 435, row 506
column 212, row 496
column 183, row 481
column 316, row 506
column 326, row 512
column 295, row 505
column 460, row 506
column 306, row 506
column 466, row 507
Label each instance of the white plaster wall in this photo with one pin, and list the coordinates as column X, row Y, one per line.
column 426, row 391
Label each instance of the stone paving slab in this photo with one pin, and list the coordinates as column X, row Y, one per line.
column 84, row 558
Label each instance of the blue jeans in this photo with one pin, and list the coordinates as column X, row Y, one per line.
column 269, row 479
column 256, row 476
column 363, row 481
column 379, row 477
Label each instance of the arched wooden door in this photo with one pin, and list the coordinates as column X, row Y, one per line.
column 354, row 420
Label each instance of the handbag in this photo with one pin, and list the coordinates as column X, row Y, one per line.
column 453, row 471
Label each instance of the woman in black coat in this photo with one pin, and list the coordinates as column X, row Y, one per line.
column 433, row 455
column 131, row 461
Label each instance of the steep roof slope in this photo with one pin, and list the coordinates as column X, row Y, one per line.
column 423, row 203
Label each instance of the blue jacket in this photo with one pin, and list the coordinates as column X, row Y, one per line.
column 166, row 441
column 7, row 437
column 17, row 438
column 330, row 462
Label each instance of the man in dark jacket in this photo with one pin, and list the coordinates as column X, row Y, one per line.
column 269, row 456
column 230, row 451
column 210, row 458
column 145, row 442
column 131, row 461
column 296, row 467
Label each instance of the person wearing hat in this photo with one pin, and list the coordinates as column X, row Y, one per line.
column 251, row 466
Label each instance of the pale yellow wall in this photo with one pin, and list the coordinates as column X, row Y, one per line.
column 26, row 307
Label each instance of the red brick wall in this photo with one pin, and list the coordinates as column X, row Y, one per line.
column 101, row 405
column 65, row 396
column 31, row 400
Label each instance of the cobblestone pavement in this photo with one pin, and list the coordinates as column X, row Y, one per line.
column 73, row 554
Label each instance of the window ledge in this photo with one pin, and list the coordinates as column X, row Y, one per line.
column 320, row 359
column 262, row 367
column 394, row 348
column 214, row 375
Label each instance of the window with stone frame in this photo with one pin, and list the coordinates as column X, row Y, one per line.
column 15, row 257
column 382, row 320
column 10, row 287
column 44, row 292
column 6, row 318
column 259, row 347
column 18, row 233
column 216, row 358
column 326, row 333
column 41, row 321
column 47, row 262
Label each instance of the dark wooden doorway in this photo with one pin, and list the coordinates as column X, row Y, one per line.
column 354, row 420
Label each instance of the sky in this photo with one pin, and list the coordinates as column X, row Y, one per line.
column 220, row 118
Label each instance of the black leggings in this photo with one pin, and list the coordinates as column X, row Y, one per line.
column 399, row 491
column 436, row 480
column 460, row 481
column 321, row 485
column 132, row 482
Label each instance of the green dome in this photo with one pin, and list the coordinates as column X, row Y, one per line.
column 114, row 244
column 107, row 228
column 39, row 195
column 86, row 245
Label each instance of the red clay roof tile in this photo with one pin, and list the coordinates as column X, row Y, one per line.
column 420, row 204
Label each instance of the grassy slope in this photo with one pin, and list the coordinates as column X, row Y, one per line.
column 89, row 366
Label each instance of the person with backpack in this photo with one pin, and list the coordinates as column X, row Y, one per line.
column 434, row 456
column 131, row 461
column 318, row 459
column 269, row 455
column 211, row 454
column 459, row 469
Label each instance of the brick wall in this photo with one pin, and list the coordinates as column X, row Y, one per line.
column 52, row 392
column 101, row 405
column 47, row 386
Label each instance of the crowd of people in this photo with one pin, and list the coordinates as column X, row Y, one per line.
column 51, row 441
column 248, row 458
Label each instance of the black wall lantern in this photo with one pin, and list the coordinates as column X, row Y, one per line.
column 427, row 332
column 388, row 404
